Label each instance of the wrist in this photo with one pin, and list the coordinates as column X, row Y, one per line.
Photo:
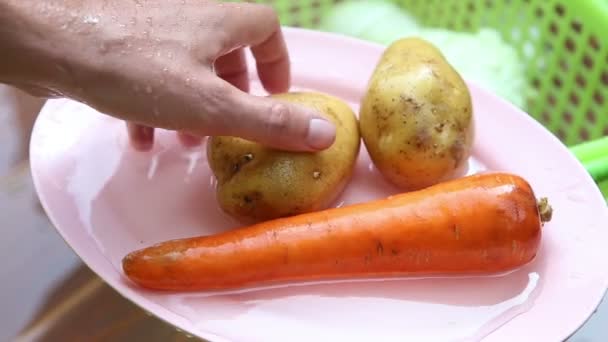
column 39, row 46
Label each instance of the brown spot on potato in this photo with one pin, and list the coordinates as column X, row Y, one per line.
column 236, row 166
column 411, row 104
column 423, row 139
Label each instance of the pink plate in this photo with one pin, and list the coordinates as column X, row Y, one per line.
column 107, row 200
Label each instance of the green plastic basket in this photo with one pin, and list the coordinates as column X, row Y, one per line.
column 564, row 45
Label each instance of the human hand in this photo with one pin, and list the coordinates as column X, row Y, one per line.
column 179, row 65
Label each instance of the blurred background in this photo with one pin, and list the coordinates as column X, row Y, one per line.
column 549, row 58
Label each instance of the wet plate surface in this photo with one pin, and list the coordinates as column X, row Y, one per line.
column 107, row 200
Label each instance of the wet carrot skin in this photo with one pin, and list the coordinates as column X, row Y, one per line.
column 476, row 224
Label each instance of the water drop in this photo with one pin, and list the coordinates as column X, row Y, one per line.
column 153, row 166
column 213, row 182
column 133, row 21
column 90, row 19
column 576, row 196
column 149, row 89
column 165, row 70
column 113, row 18
column 139, row 49
column 188, row 80
column 149, row 20
column 170, row 55
column 122, row 25
column 158, row 53
column 103, row 48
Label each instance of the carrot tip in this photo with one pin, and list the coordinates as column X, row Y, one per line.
column 545, row 210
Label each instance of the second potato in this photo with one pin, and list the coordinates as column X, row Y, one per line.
column 416, row 117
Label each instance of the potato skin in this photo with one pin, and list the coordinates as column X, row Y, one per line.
column 258, row 183
column 416, row 117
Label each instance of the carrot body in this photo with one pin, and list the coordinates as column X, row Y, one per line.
column 480, row 223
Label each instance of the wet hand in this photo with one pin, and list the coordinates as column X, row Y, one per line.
column 180, row 65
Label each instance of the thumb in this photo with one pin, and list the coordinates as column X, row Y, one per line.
column 273, row 122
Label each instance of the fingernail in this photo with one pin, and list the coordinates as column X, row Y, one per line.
column 142, row 138
column 189, row 140
column 321, row 134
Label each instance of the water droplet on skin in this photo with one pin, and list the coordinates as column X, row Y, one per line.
column 113, row 18
column 103, row 48
column 133, row 21
column 139, row 49
column 170, row 55
column 158, row 53
column 161, row 81
column 188, row 80
column 165, row 69
column 90, row 19
column 122, row 25
column 146, row 34
column 149, row 89
column 149, row 20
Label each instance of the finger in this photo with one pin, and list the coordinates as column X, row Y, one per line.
column 233, row 69
column 272, row 122
column 272, row 63
column 189, row 140
column 141, row 137
column 260, row 29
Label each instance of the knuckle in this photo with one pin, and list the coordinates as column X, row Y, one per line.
column 264, row 13
column 278, row 119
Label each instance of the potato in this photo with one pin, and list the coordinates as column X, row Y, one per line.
column 416, row 117
column 257, row 183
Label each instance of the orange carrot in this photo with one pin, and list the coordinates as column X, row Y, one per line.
column 481, row 223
